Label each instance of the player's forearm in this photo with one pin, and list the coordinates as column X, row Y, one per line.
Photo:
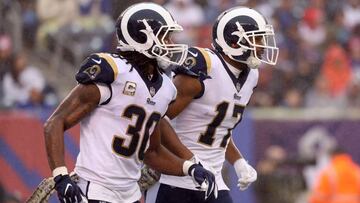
column 53, row 131
column 232, row 153
column 80, row 102
column 164, row 161
column 171, row 141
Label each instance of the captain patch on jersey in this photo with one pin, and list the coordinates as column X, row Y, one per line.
column 130, row 88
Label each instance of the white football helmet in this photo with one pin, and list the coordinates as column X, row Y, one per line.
column 144, row 27
column 236, row 33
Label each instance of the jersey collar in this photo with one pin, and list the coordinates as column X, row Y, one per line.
column 237, row 81
column 154, row 84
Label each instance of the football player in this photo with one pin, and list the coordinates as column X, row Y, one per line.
column 214, row 87
column 118, row 101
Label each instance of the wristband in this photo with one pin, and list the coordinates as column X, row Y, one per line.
column 62, row 170
column 240, row 166
column 240, row 162
column 167, row 118
column 186, row 167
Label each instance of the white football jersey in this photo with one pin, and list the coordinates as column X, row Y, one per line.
column 114, row 137
column 205, row 126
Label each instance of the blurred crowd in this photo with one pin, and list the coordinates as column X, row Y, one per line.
column 319, row 41
column 321, row 170
column 319, row 62
column 318, row 66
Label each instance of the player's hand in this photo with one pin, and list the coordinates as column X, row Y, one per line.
column 68, row 191
column 246, row 174
column 148, row 178
column 203, row 178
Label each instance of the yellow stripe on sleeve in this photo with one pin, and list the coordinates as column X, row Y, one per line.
column 207, row 59
column 112, row 63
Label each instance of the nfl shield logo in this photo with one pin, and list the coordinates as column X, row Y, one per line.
column 238, row 87
column 152, row 91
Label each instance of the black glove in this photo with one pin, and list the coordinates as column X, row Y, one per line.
column 204, row 178
column 68, row 191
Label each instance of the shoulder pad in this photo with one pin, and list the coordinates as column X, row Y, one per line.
column 196, row 64
column 98, row 67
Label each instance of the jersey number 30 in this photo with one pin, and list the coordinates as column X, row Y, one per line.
column 134, row 130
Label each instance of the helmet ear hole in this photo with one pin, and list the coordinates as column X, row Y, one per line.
column 235, row 45
column 156, row 50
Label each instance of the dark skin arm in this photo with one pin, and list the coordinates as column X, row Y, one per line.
column 232, row 153
column 80, row 101
column 160, row 159
column 172, row 142
column 188, row 88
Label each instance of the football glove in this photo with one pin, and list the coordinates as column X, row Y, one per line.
column 68, row 191
column 246, row 174
column 148, row 178
column 203, row 179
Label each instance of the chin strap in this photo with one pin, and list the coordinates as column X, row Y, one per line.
column 253, row 62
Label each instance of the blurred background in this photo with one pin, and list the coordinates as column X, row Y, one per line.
column 302, row 109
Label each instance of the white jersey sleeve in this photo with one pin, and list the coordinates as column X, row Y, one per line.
column 105, row 92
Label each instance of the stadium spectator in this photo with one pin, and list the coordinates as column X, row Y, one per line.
column 5, row 54
column 351, row 11
column 293, row 98
column 93, row 28
column 339, row 182
column 320, row 95
column 304, row 76
column 30, row 22
column 54, row 14
column 277, row 183
column 354, row 94
column 214, row 7
column 269, row 183
column 189, row 15
column 23, row 84
column 315, row 146
column 266, row 8
column 354, row 49
column 91, row 31
column 336, row 69
column 6, row 59
column 337, row 30
column 312, row 25
column 285, row 15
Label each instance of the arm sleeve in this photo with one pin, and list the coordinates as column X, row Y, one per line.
column 105, row 93
column 196, row 64
column 97, row 68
